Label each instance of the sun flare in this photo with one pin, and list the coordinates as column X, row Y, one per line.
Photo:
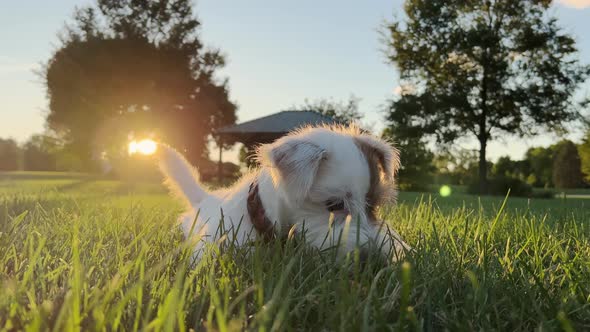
column 146, row 147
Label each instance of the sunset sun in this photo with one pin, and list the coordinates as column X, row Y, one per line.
column 145, row 147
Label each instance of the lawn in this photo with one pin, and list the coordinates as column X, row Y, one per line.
column 78, row 252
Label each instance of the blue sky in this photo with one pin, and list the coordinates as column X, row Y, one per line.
column 279, row 53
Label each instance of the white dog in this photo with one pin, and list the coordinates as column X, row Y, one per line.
column 324, row 181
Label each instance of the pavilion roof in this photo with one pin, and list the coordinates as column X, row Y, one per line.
column 271, row 127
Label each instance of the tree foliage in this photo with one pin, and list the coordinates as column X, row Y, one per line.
column 417, row 168
column 40, row 153
column 456, row 166
column 483, row 68
column 128, row 67
column 511, row 168
column 9, row 155
column 567, row 167
column 584, row 152
column 343, row 111
column 540, row 161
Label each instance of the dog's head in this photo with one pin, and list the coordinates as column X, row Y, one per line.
column 332, row 179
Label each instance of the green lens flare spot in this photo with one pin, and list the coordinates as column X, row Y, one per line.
column 445, row 191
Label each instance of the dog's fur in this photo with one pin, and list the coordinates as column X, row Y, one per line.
column 300, row 175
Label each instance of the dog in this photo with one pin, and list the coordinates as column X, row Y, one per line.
column 325, row 181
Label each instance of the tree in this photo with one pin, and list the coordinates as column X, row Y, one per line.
column 417, row 168
column 345, row 112
column 518, row 169
column 456, row 166
column 504, row 167
column 482, row 68
column 128, row 67
column 9, row 155
column 584, row 152
column 566, row 167
column 39, row 154
column 540, row 160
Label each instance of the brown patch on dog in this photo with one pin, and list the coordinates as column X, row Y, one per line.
column 378, row 187
column 260, row 221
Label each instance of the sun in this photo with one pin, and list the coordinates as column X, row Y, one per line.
column 146, row 147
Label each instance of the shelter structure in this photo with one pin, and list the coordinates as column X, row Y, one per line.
column 267, row 129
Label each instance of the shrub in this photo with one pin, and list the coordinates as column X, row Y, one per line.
column 544, row 194
column 500, row 185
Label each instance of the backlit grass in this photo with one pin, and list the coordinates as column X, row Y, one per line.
column 103, row 255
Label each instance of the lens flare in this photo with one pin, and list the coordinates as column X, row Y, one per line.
column 445, row 191
column 146, row 147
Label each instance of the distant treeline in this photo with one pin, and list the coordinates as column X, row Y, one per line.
column 561, row 165
column 37, row 154
column 47, row 153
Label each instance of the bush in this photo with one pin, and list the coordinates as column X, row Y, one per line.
column 501, row 184
column 415, row 187
column 544, row 194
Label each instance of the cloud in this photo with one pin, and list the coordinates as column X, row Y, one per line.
column 579, row 4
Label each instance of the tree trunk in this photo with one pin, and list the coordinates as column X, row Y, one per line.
column 220, row 163
column 483, row 166
column 483, row 134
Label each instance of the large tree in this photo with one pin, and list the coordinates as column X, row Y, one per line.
column 484, row 68
column 137, row 67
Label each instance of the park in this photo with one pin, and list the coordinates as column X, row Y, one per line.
column 490, row 114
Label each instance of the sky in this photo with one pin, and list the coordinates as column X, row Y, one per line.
column 279, row 53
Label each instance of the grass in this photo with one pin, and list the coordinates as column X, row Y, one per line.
column 79, row 253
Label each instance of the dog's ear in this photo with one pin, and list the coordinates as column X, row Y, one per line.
column 385, row 154
column 294, row 164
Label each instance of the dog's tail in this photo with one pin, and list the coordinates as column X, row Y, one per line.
column 181, row 177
